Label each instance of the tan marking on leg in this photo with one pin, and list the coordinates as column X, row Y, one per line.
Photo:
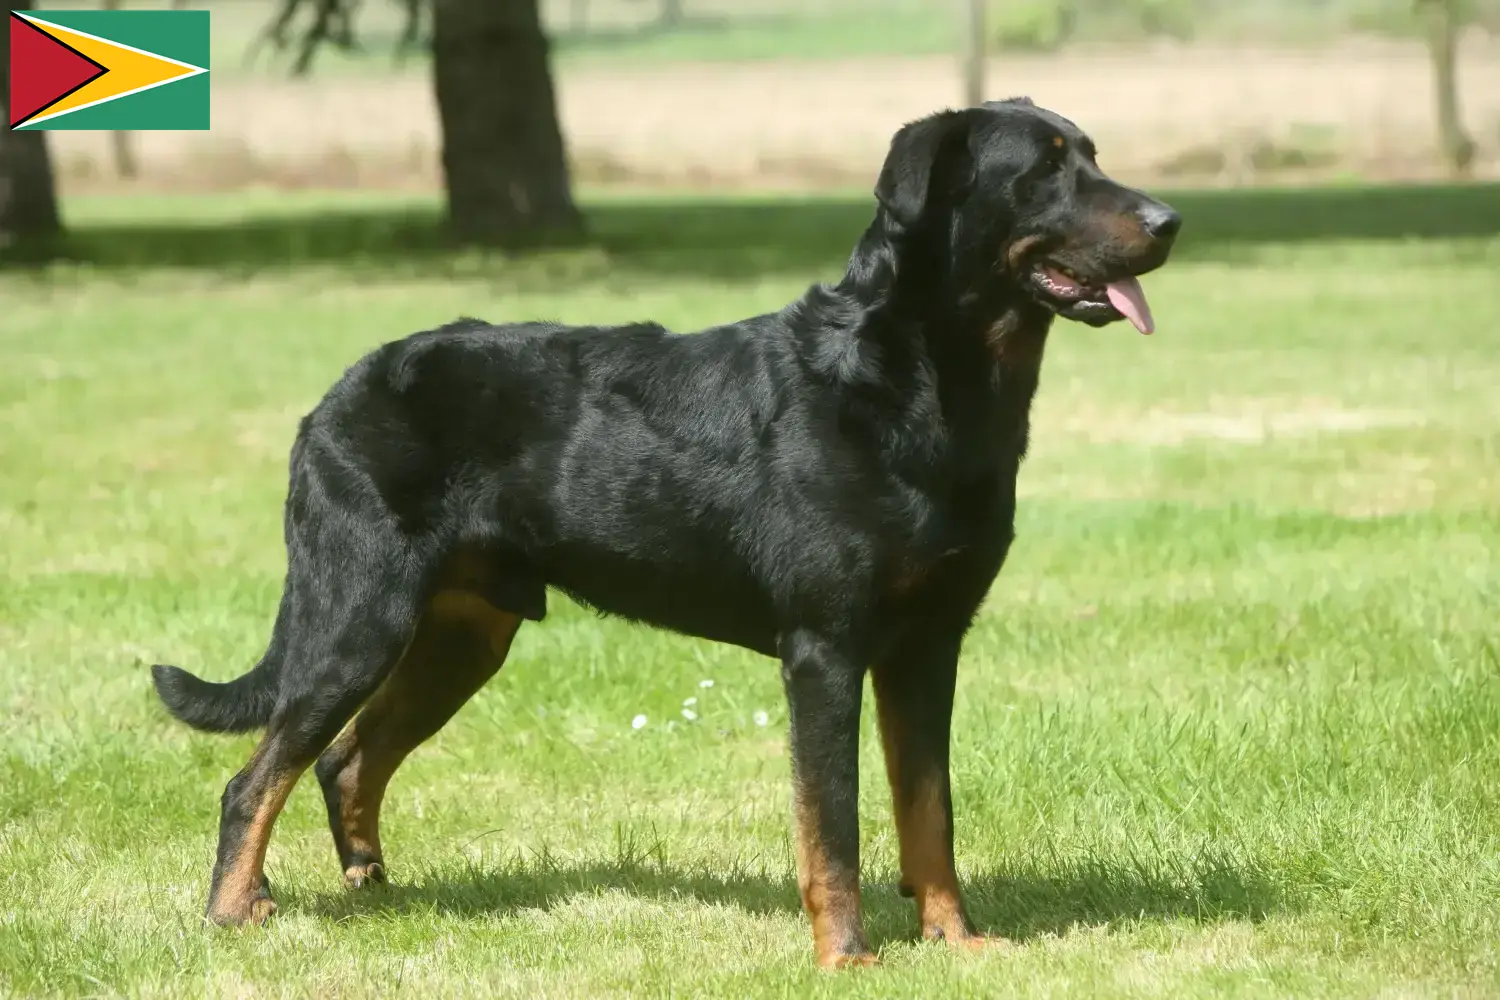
column 240, row 898
column 467, row 606
column 361, row 785
column 923, row 830
column 832, row 905
column 892, row 754
column 922, row 827
column 411, row 706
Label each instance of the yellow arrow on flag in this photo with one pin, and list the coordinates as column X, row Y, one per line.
column 129, row 70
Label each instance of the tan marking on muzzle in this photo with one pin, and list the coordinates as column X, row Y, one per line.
column 1016, row 253
column 1125, row 230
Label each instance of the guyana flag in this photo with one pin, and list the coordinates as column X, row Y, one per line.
column 111, row 70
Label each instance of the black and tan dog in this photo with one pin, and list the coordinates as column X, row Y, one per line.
column 831, row 485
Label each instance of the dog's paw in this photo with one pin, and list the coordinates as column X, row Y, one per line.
column 361, row 875
column 848, row 960
column 969, row 940
column 248, row 911
column 261, row 911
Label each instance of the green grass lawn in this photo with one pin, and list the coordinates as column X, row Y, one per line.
column 1227, row 725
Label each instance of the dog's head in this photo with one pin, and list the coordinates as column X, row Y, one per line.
column 1015, row 193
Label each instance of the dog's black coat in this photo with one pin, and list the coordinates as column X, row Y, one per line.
column 832, row 485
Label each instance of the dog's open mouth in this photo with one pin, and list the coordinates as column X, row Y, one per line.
column 1097, row 303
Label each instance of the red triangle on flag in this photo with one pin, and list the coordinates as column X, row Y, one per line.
column 43, row 70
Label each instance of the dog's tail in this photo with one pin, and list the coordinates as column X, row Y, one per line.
column 236, row 706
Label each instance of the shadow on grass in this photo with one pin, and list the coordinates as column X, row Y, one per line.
column 1017, row 903
column 729, row 239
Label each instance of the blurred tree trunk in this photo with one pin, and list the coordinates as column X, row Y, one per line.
column 503, row 155
column 1443, row 24
column 671, row 13
column 122, row 143
column 975, row 50
column 28, row 198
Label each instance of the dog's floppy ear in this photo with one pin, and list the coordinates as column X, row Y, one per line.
column 913, row 162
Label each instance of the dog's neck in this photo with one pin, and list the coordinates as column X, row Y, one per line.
column 940, row 368
column 903, row 312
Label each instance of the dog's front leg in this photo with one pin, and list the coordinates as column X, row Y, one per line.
column 823, row 688
column 914, row 687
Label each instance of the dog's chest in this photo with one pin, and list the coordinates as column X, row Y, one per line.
column 946, row 535
column 928, row 545
column 913, row 568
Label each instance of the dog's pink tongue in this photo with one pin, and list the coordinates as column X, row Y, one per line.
column 1128, row 297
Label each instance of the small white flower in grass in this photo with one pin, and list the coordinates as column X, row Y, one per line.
column 706, row 683
column 689, row 702
column 689, row 714
column 761, row 718
column 637, row 722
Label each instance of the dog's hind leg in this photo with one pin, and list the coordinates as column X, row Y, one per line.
column 348, row 632
column 460, row 644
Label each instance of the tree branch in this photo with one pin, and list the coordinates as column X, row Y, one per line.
column 332, row 23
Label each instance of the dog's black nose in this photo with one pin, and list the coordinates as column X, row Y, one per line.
column 1161, row 222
